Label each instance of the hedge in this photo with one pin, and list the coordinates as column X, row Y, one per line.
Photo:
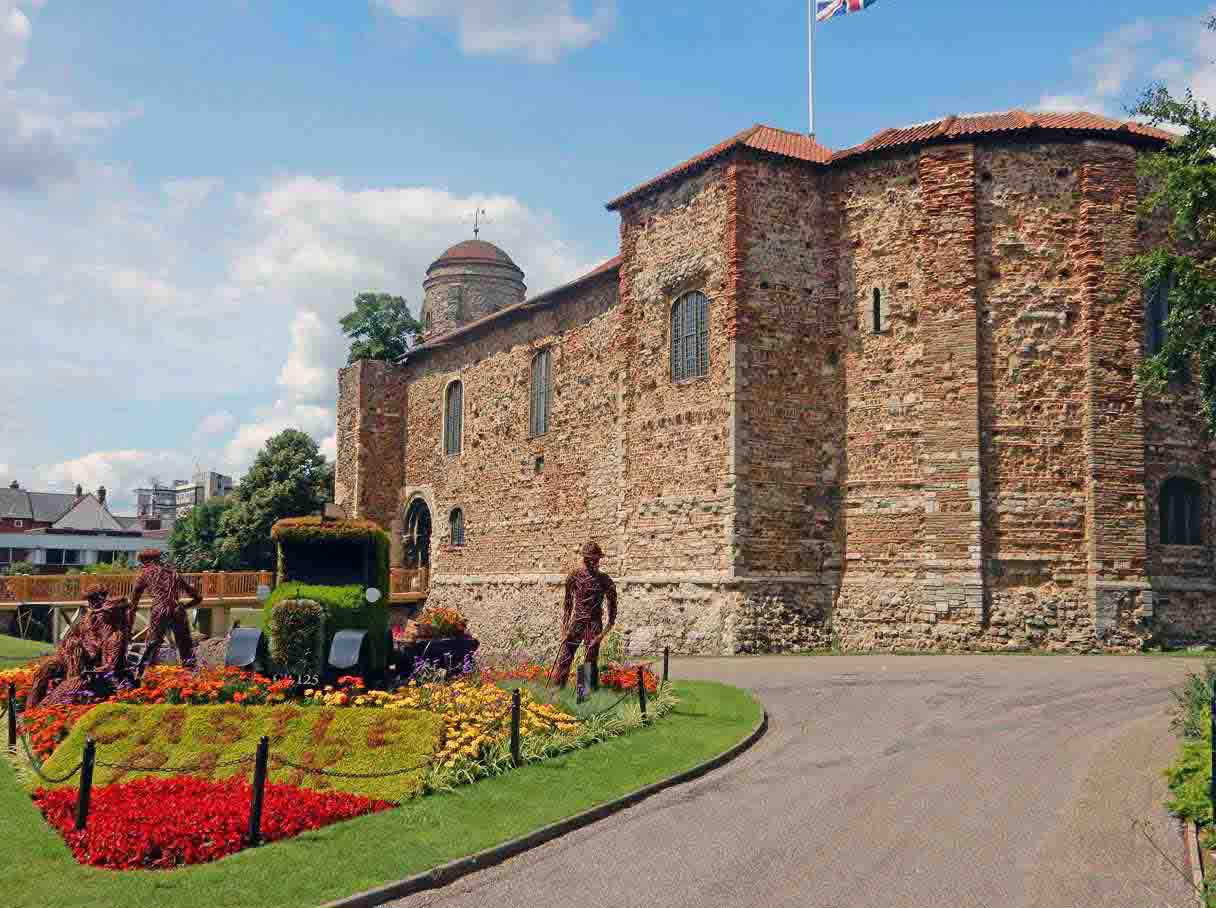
column 297, row 636
column 351, row 740
column 346, row 608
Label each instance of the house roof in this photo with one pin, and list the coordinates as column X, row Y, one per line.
column 537, row 302
column 961, row 128
column 40, row 507
column 88, row 514
column 801, row 147
column 759, row 137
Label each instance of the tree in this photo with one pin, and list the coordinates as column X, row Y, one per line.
column 196, row 541
column 381, row 327
column 288, row 478
column 1183, row 177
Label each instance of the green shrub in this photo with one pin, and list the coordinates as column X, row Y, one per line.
column 22, row 569
column 346, row 608
column 297, row 636
column 1193, row 703
column 1189, row 779
column 344, row 740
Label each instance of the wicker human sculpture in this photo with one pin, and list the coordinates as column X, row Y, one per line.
column 587, row 589
column 164, row 585
column 95, row 646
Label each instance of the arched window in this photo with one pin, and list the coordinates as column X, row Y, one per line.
column 456, row 525
column 690, row 336
column 877, row 320
column 453, row 417
column 1156, row 311
column 538, row 421
column 1181, row 514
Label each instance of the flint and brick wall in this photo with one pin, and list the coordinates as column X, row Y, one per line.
column 980, row 474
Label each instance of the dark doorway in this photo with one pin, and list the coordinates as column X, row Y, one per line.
column 417, row 534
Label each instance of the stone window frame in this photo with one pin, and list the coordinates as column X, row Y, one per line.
column 700, row 352
column 534, row 394
column 444, row 445
column 1180, row 490
column 456, row 536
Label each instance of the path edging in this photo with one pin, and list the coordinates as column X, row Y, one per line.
column 1194, row 857
column 454, row 870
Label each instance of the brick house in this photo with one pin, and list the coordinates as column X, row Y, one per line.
column 881, row 397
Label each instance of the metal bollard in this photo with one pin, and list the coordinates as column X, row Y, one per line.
column 666, row 657
column 12, row 717
column 642, row 691
column 593, row 674
column 259, row 791
column 85, row 792
column 515, row 761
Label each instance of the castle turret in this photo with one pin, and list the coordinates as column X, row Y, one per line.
column 469, row 281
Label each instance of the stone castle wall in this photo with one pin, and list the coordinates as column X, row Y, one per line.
column 977, row 474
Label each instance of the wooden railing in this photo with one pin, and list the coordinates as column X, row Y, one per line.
column 408, row 584
column 405, row 584
column 228, row 586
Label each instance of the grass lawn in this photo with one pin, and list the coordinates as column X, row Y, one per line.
column 12, row 648
column 249, row 617
column 337, row 861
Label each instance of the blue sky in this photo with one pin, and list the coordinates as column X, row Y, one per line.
column 190, row 194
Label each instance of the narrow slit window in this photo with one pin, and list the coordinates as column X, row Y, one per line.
column 456, row 520
column 879, row 322
column 453, row 417
column 1157, row 311
column 541, row 387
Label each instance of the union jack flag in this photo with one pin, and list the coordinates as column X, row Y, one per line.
column 826, row 9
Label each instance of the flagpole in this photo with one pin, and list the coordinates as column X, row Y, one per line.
column 810, row 64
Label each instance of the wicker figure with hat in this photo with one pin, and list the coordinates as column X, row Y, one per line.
column 94, row 645
column 164, row 585
column 582, row 613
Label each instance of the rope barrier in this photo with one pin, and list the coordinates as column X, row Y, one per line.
column 335, row 774
column 36, row 765
column 201, row 767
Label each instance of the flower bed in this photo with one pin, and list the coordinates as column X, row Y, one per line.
column 474, row 714
column 208, row 741
column 613, row 675
column 161, row 823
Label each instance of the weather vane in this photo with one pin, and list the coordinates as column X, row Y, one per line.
column 479, row 218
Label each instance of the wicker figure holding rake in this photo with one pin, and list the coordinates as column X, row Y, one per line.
column 582, row 613
column 164, row 585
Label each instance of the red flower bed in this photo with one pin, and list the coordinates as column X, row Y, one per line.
column 48, row 725
column 625, row 677
column 161, row 823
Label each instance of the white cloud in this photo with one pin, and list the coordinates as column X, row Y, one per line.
column 1177, row 52
column 215, row 423
column 240, row 451
column 121, row 472
column 15, row 31
column 188, row 193
column 540, row 31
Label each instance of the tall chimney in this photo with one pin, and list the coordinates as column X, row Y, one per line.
column 101, row 495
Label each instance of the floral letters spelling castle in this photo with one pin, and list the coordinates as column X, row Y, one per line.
column 882, row 397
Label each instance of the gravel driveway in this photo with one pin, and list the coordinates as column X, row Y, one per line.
column 893, row 781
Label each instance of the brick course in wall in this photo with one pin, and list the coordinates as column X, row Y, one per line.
column 979, row 473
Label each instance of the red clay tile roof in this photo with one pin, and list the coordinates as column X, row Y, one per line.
column 803, row 148
column 474, row 251
column 960, row 128
column 536, row 302
column 760, row 137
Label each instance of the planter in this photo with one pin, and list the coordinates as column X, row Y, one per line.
column 449, row 652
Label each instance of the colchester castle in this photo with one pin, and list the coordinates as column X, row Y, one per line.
column 881, row 398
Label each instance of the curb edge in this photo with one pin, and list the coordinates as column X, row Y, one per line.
column 454, row 870
column 1195, row 858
